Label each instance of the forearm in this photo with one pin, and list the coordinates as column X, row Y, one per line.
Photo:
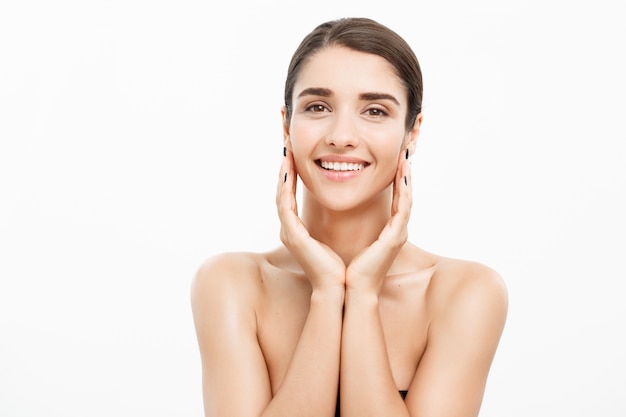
column 367, row 385
column 311, row 383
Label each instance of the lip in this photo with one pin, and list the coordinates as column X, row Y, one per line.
column 341, row 158
column 341, row 176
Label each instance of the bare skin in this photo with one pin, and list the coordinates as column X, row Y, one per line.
column 347, row 304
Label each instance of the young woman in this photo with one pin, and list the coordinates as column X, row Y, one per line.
column 347, row 317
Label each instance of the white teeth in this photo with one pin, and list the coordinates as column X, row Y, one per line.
column 341, row 166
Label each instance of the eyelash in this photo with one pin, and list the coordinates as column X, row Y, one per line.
column 320, row 108
column 379, row 112
column 315, row 108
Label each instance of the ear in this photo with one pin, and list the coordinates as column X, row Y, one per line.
column 286, row 137
column 410, row 141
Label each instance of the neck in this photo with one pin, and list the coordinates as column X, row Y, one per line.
column 347, row 232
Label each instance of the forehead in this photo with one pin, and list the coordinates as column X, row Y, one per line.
column 344, row 70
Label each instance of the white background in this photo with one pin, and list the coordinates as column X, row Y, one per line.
column 139, row 137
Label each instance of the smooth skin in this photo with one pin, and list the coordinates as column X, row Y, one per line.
column 347, row 303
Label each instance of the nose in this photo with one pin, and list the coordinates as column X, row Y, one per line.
column 343, row 131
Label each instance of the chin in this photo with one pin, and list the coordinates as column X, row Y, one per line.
column 341, row 201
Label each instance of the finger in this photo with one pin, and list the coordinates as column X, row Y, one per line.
column 293, row 231
column 281, row 180
column 290, row 180
column 286, row 177
column 405, row 195
column 283, row 193
column 396, row 229
column 292, row 177
column 397, row 182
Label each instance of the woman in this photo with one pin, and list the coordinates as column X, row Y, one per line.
column 347, row 309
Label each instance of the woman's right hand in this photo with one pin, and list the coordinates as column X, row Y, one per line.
column 323, row 267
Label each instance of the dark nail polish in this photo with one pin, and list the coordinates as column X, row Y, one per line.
column 405, row 181
column 406, row 155
column 284, row 151
column 285, row 179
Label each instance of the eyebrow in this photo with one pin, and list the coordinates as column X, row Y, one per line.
column 315, row 91
column 325, row 92
column 378, row 96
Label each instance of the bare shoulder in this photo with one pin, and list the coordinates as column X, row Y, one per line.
column 226, row 277
column 463, row 275
column 227, row 266
column 467, row 304
column 224, row 292
column 224, row 299
column 468, row 288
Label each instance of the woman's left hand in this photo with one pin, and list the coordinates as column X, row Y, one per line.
column 368, row 269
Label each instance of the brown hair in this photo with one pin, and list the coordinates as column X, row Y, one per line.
column 363, row 35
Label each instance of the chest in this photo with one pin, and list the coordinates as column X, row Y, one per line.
column 403, row 316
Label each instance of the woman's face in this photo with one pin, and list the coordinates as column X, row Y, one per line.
column 347, row 129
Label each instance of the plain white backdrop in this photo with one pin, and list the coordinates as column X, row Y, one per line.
column 138, row 138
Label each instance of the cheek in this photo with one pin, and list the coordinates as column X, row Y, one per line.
column 388, row 160
column 389, row 153
column 301, row 150
column 390, row 171
column 301, row 147
column 300, row 137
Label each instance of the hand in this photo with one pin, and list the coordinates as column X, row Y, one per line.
column 322, row 266
column 368, row 269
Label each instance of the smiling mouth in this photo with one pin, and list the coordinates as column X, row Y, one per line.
column 340, row 166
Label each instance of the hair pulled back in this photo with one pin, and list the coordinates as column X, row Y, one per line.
column 363, row 35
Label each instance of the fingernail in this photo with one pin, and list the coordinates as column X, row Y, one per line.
column 285, row 179
column 405, row 181
column 406, row 155
column 284, row 151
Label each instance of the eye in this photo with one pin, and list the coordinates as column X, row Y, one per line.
column 376, row 112
column 317, row 108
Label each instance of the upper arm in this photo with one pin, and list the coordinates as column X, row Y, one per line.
column 462, row 341
column 235, row 382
